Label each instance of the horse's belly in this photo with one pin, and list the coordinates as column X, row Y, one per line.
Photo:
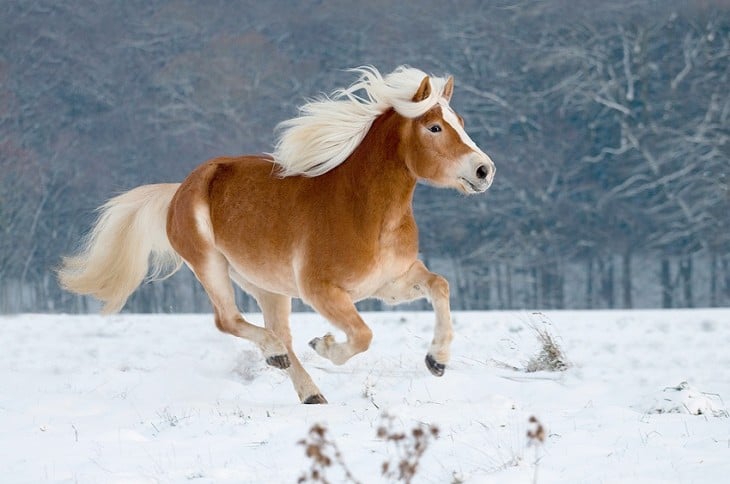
column 272, row 275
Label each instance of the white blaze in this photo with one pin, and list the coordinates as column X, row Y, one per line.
column 453, row 121
column 472, row 161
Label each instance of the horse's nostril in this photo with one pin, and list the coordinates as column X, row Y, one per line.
column 482, row 172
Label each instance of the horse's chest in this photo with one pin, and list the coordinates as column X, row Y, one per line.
column 394, row 253
column 399, row 241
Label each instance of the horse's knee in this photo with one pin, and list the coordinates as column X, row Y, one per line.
column 361, row 339
column 230, row 325
column 224, row 325
column 439, row 287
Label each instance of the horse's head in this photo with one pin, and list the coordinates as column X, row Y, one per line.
column 437, row 149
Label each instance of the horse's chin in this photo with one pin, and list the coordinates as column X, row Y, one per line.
column 469, row 188
column 461, row 185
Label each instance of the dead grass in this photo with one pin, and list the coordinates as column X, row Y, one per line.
column 405, row 448
column 550, row 356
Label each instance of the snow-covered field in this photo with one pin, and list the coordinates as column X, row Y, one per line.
column 150, row 398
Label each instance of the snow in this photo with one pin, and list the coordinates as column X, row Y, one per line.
column 167, row 398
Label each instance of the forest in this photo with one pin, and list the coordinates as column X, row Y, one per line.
column 609, row 124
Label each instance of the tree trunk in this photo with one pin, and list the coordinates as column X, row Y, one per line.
column 726, row 275
column 459, row 295
column 589, row 283
column 545, row 287
column 607, row 281
column 626, row 281
column 509, row 285
column 609, row 285
column 551, row 285
column 685, row 272
column 666, row 282
column 498, row 279
column 713, row 279
column 561, row 287
column 484, row 296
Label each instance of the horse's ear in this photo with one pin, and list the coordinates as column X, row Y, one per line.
column 424, row 90
column 449, row 88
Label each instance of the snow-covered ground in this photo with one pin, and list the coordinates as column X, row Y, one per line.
column 150, row 398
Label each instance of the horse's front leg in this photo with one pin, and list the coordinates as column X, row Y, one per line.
column 335, row 304
column 416, row 283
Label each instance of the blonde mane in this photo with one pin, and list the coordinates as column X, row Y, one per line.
column 329, row 129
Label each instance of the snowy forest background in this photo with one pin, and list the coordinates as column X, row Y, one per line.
column 608, row 123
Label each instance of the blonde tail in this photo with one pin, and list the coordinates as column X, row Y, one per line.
column 116, row 256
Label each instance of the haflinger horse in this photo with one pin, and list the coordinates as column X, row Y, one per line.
column 327, row 217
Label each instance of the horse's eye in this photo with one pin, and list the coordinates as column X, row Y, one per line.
column 435, row 128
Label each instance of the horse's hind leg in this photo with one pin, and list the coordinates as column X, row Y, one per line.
column 212, row 272
column 418, row 282
column 276, row 309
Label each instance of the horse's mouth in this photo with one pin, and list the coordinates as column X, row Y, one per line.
column 471, row 188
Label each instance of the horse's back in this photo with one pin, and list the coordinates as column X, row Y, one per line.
column 239, row 207
column 251, row 208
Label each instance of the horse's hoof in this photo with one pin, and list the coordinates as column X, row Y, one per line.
column 434, row 366
column 279, row 361
column 315, row 399
column 323, row 342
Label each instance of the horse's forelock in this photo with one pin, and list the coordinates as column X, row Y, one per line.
column 396, row 90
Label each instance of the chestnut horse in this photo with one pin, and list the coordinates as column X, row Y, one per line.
column 326, row 217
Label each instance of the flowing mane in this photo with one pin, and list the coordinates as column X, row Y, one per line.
column 329, row 128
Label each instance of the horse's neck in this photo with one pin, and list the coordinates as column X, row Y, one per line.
column 377, row 174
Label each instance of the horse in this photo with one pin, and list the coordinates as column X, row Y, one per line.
column 326, row 217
